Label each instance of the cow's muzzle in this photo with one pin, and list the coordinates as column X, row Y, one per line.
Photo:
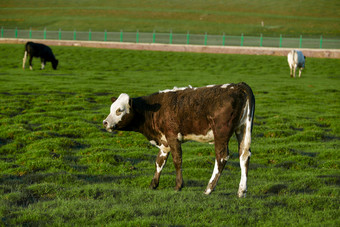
column 107, row 126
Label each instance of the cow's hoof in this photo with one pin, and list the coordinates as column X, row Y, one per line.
column 241, row 194
column 178, row 189
column 153, row 185
column 208, row 191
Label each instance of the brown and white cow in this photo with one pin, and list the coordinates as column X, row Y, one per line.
column 206, row 114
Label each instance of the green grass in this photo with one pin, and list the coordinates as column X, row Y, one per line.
column 290, row 18
column 59, row 167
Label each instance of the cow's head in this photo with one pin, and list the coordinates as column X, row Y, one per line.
column 55, row 64
column 120, row 113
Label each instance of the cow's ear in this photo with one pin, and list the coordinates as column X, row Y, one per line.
column 113, row 99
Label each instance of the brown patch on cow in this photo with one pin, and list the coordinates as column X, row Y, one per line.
column 118, row 112
column 113, row 99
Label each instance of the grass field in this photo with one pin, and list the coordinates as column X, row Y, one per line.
column 59, row 167
column 267, row 17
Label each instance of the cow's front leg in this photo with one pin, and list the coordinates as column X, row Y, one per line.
column 176, row 152
column 43, row 63
column 222, row 155
column 160, row 163
column 300, row 72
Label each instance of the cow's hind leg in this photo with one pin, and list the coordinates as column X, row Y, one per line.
column 243, row 134
column 222, row 155
column 160, row 163
column 30, row 62
column 294, row 73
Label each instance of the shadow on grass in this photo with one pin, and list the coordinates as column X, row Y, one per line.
column 32, row 188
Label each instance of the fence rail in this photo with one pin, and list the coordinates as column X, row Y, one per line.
column 175, row 38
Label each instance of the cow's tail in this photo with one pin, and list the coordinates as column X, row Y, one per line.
column 24, row 59
column 25, row 55
column 250, row 101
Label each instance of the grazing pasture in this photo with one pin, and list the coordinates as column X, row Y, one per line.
column 270, row 18
column 58, row 166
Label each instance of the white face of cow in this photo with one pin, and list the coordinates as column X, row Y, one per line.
column 118, row 110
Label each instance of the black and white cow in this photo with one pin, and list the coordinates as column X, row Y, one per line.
column 296, row 60
column 206, row 114
column 40, row 51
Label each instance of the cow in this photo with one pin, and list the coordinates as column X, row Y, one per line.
column 296, row 60
column 40, row 51
column 206, row 114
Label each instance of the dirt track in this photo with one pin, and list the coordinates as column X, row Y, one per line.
column 316, row 53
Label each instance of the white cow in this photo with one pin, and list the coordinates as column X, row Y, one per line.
column 296, row 60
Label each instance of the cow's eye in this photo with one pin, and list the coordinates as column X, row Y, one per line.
column 119, row 111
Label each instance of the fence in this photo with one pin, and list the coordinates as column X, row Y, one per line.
column 175, row 38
